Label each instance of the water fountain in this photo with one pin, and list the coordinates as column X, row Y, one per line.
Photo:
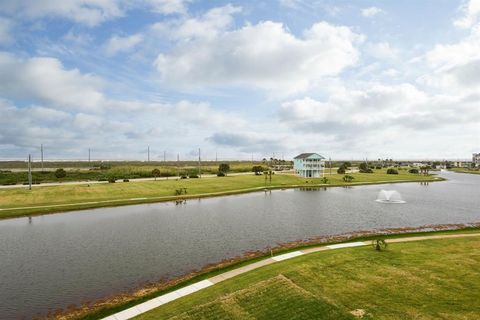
column 389, row 196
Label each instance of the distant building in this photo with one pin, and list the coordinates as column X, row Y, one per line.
column 309, row 165
column 476, row 159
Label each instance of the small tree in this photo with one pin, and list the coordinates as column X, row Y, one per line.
column 348, row 178
column 257, row 169
column 379, row 244
column 413, row 170
column 341, row 170
column 156, row 173
column 224, row 167
column 324, row 180
column 60, row 173
column 392, row 171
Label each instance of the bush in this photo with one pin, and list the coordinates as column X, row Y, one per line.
column 156, row 172
column 392, row 171
column 111, row 180
column 126, row 180
column 60, row 173
column 413, row 170
column 378, row 167
column 222, row 174
column 348, row 178
column 257, row 169
column 184, row 177
column 224, row 167
column 324, row 180
column 379, row 244
column 341, row 170
column 194, row 176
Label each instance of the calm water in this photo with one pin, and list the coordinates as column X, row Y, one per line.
column 53, row 261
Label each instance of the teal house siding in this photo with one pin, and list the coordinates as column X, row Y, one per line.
column 309, row 165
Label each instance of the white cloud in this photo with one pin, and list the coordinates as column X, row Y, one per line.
column 471, row 14
column 371, row 12
column 5, row 26
column 208, row 25
column 168, row 6
column 87, row 12
column 388, row 119
column 118, row 44
column 382, row 50
column 455, row 66
column 47, row 81
column 265, row 56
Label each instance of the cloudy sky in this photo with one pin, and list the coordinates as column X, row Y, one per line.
column 347, row 79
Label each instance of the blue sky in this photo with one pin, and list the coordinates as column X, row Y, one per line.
column 347, row 79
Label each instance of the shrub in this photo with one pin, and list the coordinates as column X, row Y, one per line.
column 194, row 176
column 379, row 244
column 257, row 169
column 60, row 173
column 348, row 178
column 156, row 173
column 224, row 167
column 413, row 170
column 111, row 180
column 392, row 171
column 126, row 180
column 341, row 170
column 222, row 174
column 324, row 180
column 184, row 177
column 180, row 191
column 378, row 167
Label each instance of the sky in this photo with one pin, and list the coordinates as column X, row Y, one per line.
column 239, row 79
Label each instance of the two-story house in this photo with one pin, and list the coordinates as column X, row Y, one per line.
column 309, row 165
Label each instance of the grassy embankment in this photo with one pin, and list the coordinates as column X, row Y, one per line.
column 466, row 170
column 115, row 306
column 432, row 279
column 71, row 197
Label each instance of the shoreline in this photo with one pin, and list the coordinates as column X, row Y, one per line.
column 69, row 207
column 123, row 300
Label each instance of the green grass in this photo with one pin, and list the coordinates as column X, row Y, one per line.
column 433, row 279
column 466, row 170
column 121, row 193
column 120, row 170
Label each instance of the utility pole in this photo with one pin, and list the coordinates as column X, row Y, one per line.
column 148, row 152
column 88, row 155
column 216, row 156
column 41, row 152
column 178, row 162
column 164, row 156
column 29, row 172
column 330, row 162
column 199, row 164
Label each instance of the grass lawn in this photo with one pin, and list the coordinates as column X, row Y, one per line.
column 465, row 170
column 433, row 279
column 121, row 193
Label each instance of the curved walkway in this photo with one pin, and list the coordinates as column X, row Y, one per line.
column 174, row 295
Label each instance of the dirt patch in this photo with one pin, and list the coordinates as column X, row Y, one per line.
column 358, row 313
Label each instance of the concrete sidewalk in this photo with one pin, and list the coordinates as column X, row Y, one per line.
column 177, row 294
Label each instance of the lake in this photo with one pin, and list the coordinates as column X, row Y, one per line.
column 52, row 261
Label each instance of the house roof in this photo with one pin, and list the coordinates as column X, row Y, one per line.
column 307, row 155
